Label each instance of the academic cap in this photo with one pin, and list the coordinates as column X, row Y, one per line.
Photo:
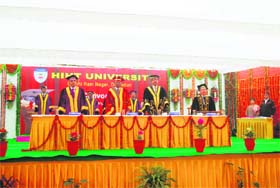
column 118, row 78
column 132, row 91
column 72, row 76
column 153, row 76
column 201, row 85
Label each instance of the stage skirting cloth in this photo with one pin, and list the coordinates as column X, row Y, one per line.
column 212, row 171
column 263, row 127
column 118, row 132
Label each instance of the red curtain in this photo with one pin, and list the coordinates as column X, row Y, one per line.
column 243, row 92
column 274, row 86
column 258, row 89
column 253, row 83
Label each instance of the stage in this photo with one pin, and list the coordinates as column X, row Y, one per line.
column 120, row 167
column 15, row 153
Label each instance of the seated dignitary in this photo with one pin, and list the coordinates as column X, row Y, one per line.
column 134, row 104
column 203, row 102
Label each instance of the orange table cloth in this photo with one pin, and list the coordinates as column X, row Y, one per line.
column 118, row 132
column 263, row 127
column 209, row 171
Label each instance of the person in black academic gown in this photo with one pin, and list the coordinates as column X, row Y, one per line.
column 43, row 102
column 203, row 102
column 72, row 98
column 267, row 106
column 92, row 104
column 155, row 98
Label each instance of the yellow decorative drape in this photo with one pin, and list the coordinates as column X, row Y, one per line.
column 263, row 127
column 189, row 172
column 114, row 132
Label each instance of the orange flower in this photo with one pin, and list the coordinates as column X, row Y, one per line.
column 3, row 130
column 175, row 95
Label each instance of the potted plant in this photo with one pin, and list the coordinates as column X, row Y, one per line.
column 155, row 177
column 73, row 143
column 249, row 139
column 8, row 183
column 72, row 184
column 139, row 143
column 241, row 175
column 199, row 142
column 3, row 142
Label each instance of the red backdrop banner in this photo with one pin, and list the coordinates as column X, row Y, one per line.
column 98, row 80
column 253, row 83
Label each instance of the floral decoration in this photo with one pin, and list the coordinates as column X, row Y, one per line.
column 188, row 94
column 199, row 126
column 3, row 134
column 140, row 135
column 74, row 136
column 249, row 133
column 10, row 96
column 215, row 94
column 175, row 97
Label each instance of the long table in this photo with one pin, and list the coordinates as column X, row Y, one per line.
column 51, row 132
column 263, row 127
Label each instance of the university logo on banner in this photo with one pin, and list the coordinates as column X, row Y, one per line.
column 40, row 75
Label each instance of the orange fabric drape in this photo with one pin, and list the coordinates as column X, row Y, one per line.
column 114, row 132
column 191, row 172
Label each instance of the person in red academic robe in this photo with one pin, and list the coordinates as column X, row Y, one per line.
column 43, row 102
column 72, row 98
column 117, row 99
column 134, row 103
column 92, row 104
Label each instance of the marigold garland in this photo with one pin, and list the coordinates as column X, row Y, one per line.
column 10, row 92
column 12, row 68
column 174, row 73
column 212, row 74
column 187, row 74
column 199, row 74
column 175, row 97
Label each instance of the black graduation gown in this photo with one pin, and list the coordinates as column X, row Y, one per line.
column 155, row 98
column 196, row 104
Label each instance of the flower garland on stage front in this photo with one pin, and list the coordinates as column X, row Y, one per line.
column 120, row 121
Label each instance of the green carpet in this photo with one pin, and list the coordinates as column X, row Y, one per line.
column 14, row 152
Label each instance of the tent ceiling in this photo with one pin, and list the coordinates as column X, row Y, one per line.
column 257, row 11
column 222, row 35
column 129, row 60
